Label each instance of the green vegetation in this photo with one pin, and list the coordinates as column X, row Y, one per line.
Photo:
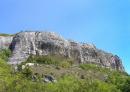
column 51, row 60
column 96, row 68
column 2, row 34
column 5, row 54
column 21, row 81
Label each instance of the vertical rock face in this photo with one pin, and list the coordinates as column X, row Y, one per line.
column 45, row 43
column 5, row 41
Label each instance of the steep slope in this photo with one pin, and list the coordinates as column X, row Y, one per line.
column 25, row 44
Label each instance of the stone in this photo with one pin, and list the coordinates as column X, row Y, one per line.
column 5, row 41
column 29, row 64
column 25, row 44
column 49, row 79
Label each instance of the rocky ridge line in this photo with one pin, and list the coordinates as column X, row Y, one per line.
column 25, row 44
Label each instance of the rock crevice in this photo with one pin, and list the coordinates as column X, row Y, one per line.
column 45, row 43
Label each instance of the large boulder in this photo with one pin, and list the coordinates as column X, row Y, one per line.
column 25, row 44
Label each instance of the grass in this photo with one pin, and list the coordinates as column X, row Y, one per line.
column 68, row 81
column 51, row 60
column 5, row 54
column 2, row 34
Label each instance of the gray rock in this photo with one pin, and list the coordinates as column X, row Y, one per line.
column 5, row 41
column 49, row 79
column 45, row 43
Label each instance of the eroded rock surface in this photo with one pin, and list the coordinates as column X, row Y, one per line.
column 45, row 43
column 5, row 41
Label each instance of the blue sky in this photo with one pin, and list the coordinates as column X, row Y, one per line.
column 105, row 23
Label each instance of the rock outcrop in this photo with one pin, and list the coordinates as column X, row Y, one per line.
column 5, row 41
column 45, row 43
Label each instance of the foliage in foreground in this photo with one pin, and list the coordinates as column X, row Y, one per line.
column 18, row 82
column 5, row 54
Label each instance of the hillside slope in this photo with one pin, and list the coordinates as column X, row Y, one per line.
column 82, row 78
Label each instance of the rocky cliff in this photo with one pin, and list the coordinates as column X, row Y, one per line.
column 5, row 41
column 45, row 43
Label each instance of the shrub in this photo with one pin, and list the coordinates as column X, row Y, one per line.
column 65, row 64
column 5, row 54
column 88, row 66
column 51, row 59
column 126, row 86
column 27, row 72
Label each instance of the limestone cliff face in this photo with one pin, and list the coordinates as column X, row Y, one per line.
column 5, row 41
column 45, row 43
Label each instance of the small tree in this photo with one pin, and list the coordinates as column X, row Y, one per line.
column 27, row 72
